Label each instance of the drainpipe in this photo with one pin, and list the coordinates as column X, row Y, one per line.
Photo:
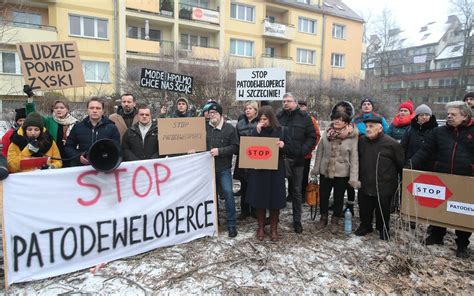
column 116, row 49
column 321, row 72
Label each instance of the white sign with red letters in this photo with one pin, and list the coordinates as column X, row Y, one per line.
column 60, row 221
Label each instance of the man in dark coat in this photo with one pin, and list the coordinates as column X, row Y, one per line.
column 141, row 139
column 469, row 99
column 182, row 108
column 303, row 137
column 126, row 114
column 223, row 143
column 91, row 129
column 453, row 148
column 380, row 165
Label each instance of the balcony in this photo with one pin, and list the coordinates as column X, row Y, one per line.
column 278, row 31
column 143, row 5
column 150, row 47
column 269, row 61
column 199, row 14
column 199, row 52
column 14, row 32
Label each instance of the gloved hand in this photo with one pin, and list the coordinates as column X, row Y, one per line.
column 33, row 145
column 45, row 167
column 28, row 90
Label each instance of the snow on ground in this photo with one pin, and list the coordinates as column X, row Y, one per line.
column 312, row 262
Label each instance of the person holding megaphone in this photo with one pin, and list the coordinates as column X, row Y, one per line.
column 90, row 130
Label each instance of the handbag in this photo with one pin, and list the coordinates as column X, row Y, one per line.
column 312, row 197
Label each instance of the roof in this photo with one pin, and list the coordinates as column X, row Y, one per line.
column 331, row 7
column 430, row 33
column 451, row 51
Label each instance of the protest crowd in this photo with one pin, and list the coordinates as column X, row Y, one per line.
column 359, row 153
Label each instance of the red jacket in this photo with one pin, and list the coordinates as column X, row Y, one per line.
column 318, row 136
column 6, row 141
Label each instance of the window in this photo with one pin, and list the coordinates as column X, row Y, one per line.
column 270, row 19
column 26, row 18
column 196, row 3
column 188, row 41
column 242, row 12
column 338, row 31
column 305, row 56
column 9, row 63
column 337, row 60
column 270, row 51
column 306, row 25
column 87, row 26
column 241, row 48
column 95, row 71
column 139, row 33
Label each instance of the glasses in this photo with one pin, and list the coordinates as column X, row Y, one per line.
column 211, row 113
column 287, row 101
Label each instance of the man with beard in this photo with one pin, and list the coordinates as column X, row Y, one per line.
column 469, row 100
column 126, row 115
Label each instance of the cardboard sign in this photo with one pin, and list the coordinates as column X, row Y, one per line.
column 51, row 65
column 166, row 81
column 439, row 199
column 79, row 217
column 260, row 84
column 179, row 135
column 258, row 153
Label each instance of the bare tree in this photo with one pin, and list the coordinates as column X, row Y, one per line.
column 465, row 11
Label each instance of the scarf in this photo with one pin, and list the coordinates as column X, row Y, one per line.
column 67, row 123
column 44, row 142
column 398, row 121
column 144, row 128
column 341, row 134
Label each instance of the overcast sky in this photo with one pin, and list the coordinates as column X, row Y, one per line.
column 408, row 13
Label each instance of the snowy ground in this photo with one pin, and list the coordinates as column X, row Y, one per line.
column 312, row 262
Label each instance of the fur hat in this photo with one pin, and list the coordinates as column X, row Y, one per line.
column 423, row 109
column 407, row 105
column 216, row 107
column 33, row 119
column 20, row 113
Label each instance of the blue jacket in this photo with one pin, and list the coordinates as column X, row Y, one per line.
column 359, row 121
column 83, row 135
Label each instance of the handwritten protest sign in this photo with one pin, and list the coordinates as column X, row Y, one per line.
column 51, row 65
column 258, row 153
column 79, row 217
column 260, row 84
column 179, row 135
column 166, row 81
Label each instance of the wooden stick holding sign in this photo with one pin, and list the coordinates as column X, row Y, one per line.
column 180, row 135
column 258, row 153
column 51, row 65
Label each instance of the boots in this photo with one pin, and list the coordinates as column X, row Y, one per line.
column 334, row 224
column 323, row 221
column 261, row 224
column 274, row 217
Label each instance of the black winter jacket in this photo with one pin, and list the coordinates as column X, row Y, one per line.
column 380, row 164
column 226, row 140
column 83, row 135
column 133, row 146
column 302, row 133
column 452, row 149
column 244, row 127
column 414, row 138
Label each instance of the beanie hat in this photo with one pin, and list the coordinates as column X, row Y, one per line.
column 302, row 102
column 407, row 105
column 20, row 113
column 216, row 107
column 423, row 109
column 367, row 100
column 183, row 99
column 33, row 119
column 468, row 95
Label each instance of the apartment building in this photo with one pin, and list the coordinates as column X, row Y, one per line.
column 320, row 40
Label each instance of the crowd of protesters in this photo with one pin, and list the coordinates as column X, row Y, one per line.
column 356, row 152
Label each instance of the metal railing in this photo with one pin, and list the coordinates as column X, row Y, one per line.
column 189, row 46
column 278, row 23
column 276, row 57
column 143, row 38
column 162, row 12
column 28, row 25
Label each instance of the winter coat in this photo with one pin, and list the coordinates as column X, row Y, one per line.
column 19, row 151
column 225, row 138
column 318, row 137
column 452, row 148
column 414, row 138
column 83, row 135
column 380, row 165
column 6, row 141
column 338, row 158
column 244, row 129
column 124, row 121
column 397, row 132
column 302, row 134
column 359, row 121
column 266, row 188
column 133, row 146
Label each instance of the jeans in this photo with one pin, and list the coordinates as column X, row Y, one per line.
column 295, row 182
column 339, row 184
column 224, row 188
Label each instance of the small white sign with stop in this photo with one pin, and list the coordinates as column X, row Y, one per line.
column 429, row 191
column 460, row 208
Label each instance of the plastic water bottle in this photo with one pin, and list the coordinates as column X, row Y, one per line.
column 348, row 221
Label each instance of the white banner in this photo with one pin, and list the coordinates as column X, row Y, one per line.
column 205, row 15
column 260, row 84
column 273, row 29
column 60, row 221
column 460, row 208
